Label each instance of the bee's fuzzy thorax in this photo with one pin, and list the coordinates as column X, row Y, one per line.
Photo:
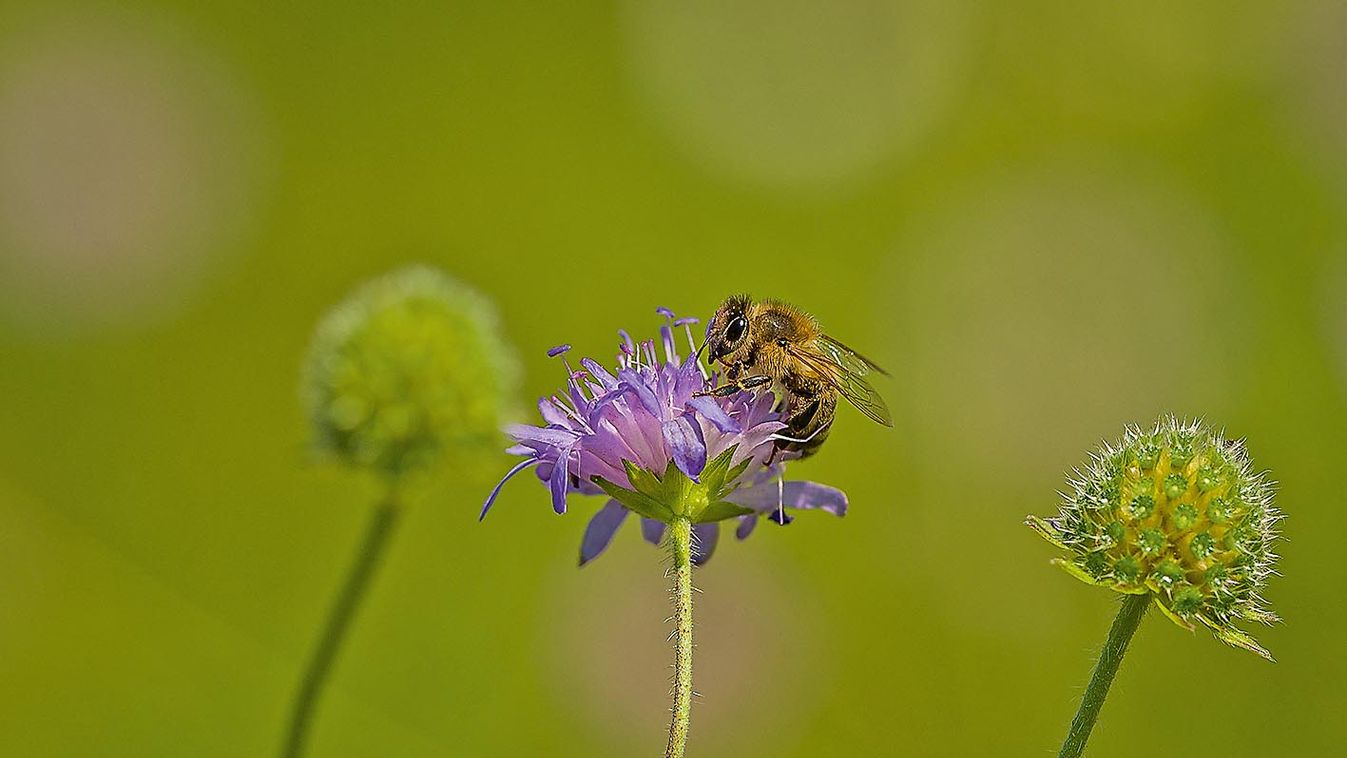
column 796, row 322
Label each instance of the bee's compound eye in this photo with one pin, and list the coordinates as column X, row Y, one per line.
column 735, row 331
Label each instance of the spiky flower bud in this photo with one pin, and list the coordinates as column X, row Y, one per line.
column 407, row 369
column 1177, row 512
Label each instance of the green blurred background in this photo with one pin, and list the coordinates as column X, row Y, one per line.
column 1049, row 218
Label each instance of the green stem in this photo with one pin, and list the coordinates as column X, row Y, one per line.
column 680, row 538
column 1124, row 625
column 338, row 621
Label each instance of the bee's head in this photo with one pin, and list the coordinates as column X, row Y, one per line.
column 728, row 329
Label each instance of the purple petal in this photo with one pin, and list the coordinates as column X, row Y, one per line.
column 546, row 436
column 599, row 372
column 600, row 530
column 704, row 538
column 508, row 476
column 557, row 482
column 652, row 530
column 746, row 524
column 558, row 350
column 762, row 497
column 633, row 381
column 687, row 381
column 687, row 444
column 551, row 413
column 814, row 496
column 592, row 463
column 628, row 347
column 710, row 410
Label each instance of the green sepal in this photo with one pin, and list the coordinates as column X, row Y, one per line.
column 1172, row 616
column 739, row 470
column 674, row 494
column 637, row 502
column 641, row 480
column 717, row 471
column 677, row 490
column 719, row 511
column 1046, row 531
column 1236, row 637
column 1076, row 571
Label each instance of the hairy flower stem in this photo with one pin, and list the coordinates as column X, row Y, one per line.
column 338, row 621
column 1124, row 626
column 680, row 539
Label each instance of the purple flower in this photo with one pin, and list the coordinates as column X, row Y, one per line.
column 683, row 453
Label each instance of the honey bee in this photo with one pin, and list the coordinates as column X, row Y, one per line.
column 775, row 343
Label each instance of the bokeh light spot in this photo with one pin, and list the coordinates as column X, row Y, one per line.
column 1314, row 79
column 1037, row 313
column 127, row 158
column 795, row 94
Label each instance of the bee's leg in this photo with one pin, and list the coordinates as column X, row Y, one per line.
column 750, row 382
column 739, row 385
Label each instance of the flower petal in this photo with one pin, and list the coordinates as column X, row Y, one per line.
column 815, row 496
column 745, row 527
column 599, row 373
column 687, row 445
column 508, row 476
column 710, row 410
column 762, row 497
column 551, row 413
column 544, row 435
column 558, row 481
column 633, row 381
column 599, row 533
column 704, row 539
column 652, row 531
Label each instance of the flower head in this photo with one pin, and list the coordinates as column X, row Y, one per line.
column 407, row 368
column 1177, row 512
column 647, row 436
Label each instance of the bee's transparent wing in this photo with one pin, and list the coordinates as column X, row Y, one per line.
column 847, row 358
column 846, row 377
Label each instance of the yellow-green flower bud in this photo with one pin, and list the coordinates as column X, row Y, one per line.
column 407, row 370
column 1176, row 512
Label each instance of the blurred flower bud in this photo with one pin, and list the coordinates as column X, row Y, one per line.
column 1176, row 512
column 407, row 370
